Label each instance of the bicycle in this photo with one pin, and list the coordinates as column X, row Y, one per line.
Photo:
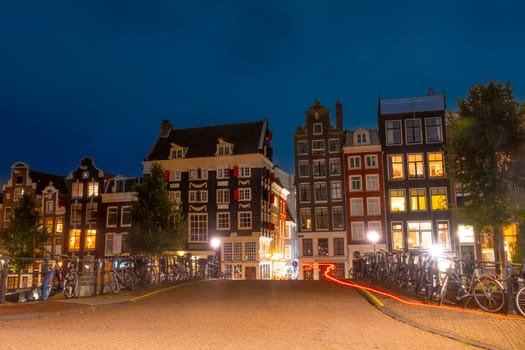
column 484, row 288
column 120, row 275
column 63, row 278
column 520, row 295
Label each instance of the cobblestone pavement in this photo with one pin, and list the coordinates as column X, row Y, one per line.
column 466, row 327
column 479, row 328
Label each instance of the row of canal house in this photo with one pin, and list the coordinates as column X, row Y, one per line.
column 222, row 176
column 390, row 181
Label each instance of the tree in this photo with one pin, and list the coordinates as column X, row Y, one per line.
column 25, row 236
column 483, row 143
column 158, row 223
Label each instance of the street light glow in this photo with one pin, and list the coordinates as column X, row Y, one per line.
column 373, row 236
column 215, row 243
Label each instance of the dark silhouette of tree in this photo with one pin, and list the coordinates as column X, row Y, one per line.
column 25, row 236
column 157, row 221
column 484, row 142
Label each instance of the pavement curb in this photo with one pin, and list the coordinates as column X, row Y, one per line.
column 378, row 304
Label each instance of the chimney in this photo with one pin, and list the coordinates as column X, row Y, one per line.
column 339, row 115
column 165, row 128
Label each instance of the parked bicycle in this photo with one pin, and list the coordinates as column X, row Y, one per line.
column 484, row 288
column 518, row 285
column 121, row 275
column 62, row 276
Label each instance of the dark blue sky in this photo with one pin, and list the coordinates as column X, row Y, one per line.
column 96, row 78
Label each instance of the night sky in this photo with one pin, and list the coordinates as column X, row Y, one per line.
column 96, row 78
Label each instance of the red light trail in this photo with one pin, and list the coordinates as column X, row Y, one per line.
column 347, row 283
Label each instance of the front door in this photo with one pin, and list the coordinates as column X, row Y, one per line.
column 250, row 272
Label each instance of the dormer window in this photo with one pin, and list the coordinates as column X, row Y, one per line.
column 177, row 152
column 361, row 137
column 224, row 148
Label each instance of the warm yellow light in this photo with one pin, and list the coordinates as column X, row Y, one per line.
column 181, row 252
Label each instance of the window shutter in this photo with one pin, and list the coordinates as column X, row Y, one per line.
column 236, row 194
column 236, row 171
column 166, row 175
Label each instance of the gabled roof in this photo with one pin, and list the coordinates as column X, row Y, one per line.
column 44, row 179
column 412, row 104
column 202, row 141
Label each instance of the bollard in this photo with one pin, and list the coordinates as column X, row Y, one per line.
column 510, row 288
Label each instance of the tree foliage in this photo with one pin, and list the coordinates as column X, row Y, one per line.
column 484, row 142
column 158, row 223
column 25, row 236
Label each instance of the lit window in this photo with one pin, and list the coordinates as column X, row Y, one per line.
column 92, row 189
column 435, row 164
column 77, row 189
column 443, row 235
column 322, row 247
column 306, row 219
column 397, row 200
column 49, row 225
column 438, row 198
column 74, row 239
column 397, row 236
column 420, row 235
column 418, row 199
column 395, row 166
column 415, row 166
column 91, row 239
column 60, row 225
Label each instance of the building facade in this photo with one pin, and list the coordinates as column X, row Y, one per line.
column 223, row 176
column 320, row 200
column 49, row 189
column 418, row 196
column 364, row 189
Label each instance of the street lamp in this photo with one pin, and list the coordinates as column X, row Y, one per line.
column 215, row 244
column 373, row 237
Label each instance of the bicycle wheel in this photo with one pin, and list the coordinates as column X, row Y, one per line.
column 112, row 281
column 129, row 281
column 488, row 294
column 520, row 301
column 70, row 284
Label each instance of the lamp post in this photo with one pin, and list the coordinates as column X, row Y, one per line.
column 373, row 237
column 215, row 244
